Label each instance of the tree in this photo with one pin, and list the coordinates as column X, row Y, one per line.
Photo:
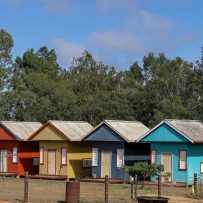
column 145, row 170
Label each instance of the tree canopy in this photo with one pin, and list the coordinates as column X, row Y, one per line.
column 35, row 88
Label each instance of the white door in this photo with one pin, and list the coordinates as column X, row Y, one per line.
column 106, row 164
column 51, row 162
column 4, row 161
column 167, row 163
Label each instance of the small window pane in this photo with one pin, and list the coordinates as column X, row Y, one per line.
column 153, row 156
column 183, row 160
column 94, row 156
column 15, row 155
column 120, row 157
column 41, row 155
column 64, row 156
column 201, row 167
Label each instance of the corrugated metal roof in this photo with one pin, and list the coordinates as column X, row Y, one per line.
column 74, row 130
column 193, row 129
column 21, row 130
column 128, row 130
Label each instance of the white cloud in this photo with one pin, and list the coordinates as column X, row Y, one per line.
column 66, row 50
column 106, row 5
column 12, row 2
column 142, row 32
column 58, row 6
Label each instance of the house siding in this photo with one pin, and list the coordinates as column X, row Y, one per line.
column 77, row 151
column 195, row 156
column 173, row 148
column 164, row 133
column 26, row 152
column 8, row 145
column 112, row 147
column 104, row 134
column 54, row 145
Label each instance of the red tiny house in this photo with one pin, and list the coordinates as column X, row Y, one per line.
column 16, row 153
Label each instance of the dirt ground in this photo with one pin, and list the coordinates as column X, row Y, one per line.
column 11, row 189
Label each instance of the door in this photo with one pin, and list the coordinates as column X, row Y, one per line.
column 106, row 164
column 51, row 162
column 167, row 163
column 4, row 161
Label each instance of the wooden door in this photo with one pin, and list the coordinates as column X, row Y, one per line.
column 51, row 162
column 4, row 161
column 167, row 163
column 106, row 164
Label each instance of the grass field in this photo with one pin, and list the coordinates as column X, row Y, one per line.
column 54, row 191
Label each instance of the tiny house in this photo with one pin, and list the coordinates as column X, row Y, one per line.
column 61, row 153
column 114, row 145
column 18, row 155
column 178, row 145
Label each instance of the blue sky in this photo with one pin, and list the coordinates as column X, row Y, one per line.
column 118, row 32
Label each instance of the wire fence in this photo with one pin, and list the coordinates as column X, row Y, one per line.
column 39, row 190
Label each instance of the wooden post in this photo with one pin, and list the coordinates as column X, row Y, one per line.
column 131, row 191
column 195, row 184
column 106, row 189
column 66, row 195
column 26, row 187
column 159, row 185
column 135, row 186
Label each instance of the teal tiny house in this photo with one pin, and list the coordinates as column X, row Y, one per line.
column 178, row 145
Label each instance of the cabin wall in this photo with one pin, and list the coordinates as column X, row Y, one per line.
column 195, row 156
column 77, row 151
column 53, row 145
column 135, row 152
column 164, row 133
column 173, row 148
column 8, row 145
column 108, row 146
column 26, row 152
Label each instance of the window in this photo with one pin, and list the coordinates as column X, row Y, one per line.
column 153, row 156
column 94, row 156
column 63, row 156
column 201, row 167
column 120, row 157
column 182, row 160
column 41, row 155
column 15, row 155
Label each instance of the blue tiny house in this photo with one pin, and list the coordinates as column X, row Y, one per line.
column 178, row 145
column 114, row 144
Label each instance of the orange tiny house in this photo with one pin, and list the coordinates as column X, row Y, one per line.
column 18, row 155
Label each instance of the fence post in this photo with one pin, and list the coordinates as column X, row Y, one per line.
column 195, row 184
column 131, row 191
column 159, row 185
column 106, row 189
column 26, row 187
column 135, row 186
column 66, row 195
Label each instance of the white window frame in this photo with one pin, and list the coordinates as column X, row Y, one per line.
column 41, row 155
column 15, row 155
column 94, row 156
column 63, row 156
column 179, row 160
column 153, row 155
column 120, row 163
